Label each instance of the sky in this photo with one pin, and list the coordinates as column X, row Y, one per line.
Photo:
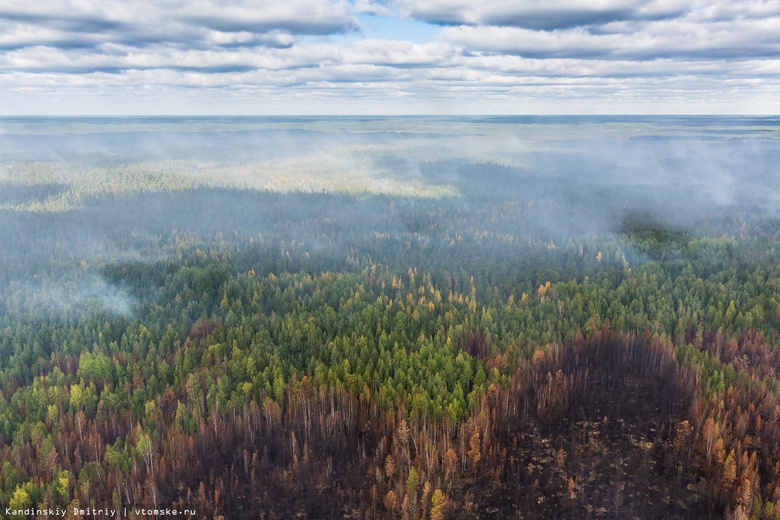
column 275, row 57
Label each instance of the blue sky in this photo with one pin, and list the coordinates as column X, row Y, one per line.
column 94, row 57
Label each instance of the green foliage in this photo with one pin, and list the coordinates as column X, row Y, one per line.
column 421, row 322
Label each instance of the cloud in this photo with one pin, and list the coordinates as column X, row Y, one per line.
column 312, row 55
column 677, row 38
column 547, row 15
column 199, row 24
column 564, row 14
column 294, row 17
column 372, row 7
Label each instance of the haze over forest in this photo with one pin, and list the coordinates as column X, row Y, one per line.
column 98, row 190
column 391, row 317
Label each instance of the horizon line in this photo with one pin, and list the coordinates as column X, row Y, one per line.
column 406, row 115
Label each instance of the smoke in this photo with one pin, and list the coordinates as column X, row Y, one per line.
column 72, row 295
column 100, row 191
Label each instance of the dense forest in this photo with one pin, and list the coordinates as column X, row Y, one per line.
column 458, row 338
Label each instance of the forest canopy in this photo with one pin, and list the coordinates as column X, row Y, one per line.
column 418, row 318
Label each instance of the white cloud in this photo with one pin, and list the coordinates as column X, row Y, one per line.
column 372, row 7
column 558, row 14
column 743, row 39
column 190, row 23
column 548, row 14
column 176, row 56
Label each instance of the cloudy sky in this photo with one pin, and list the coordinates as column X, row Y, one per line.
column 389, row 57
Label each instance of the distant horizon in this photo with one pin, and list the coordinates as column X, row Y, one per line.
column 379, row 115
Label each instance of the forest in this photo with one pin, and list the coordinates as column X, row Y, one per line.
column 390, row 319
